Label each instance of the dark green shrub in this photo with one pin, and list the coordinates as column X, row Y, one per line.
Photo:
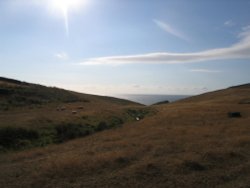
column 4, row 91
column 140, row 113
column 101, row 126
column 116, row 121
column 70, row 131
column 15, row 137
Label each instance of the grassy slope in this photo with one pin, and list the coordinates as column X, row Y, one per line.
column 25, row 106
column 15, row 93
column 28, row 104
column 191, row 143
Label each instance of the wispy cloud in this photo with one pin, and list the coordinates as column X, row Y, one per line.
column 229, row 23
column 170, row 29
column 62, row 56
column 239, row 50
column 205, row 71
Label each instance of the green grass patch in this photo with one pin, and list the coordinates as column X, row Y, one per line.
column 12, row 138
column 139, row 113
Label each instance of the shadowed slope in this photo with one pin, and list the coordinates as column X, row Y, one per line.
column 14, row 93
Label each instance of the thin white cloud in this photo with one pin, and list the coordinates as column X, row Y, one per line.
column 205, row 71
column 170, row 29
column 62, row 56
column 239, row 50
column 229, row 23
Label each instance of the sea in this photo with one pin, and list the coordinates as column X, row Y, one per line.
column 152, row 99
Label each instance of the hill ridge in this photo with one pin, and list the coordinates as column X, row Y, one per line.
column 23, row 91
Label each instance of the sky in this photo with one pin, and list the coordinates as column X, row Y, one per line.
column 111, row 47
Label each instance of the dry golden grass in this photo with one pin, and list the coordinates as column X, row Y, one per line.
column 47, row 114
column 191, row 143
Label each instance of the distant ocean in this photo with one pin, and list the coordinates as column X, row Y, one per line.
column 152, row 99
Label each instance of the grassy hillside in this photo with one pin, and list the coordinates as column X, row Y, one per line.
column 190, row 143
column 14, row 93
column 32, row 115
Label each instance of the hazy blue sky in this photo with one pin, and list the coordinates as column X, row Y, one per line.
column 126, row 46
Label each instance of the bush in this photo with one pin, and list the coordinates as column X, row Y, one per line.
column 4, row 91
column 70, row 131
column 15, row 137
column 101, row 126
column 12, row 138
column 115, row 121
column 140, row 113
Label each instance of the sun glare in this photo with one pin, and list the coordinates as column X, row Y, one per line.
column 64, row 6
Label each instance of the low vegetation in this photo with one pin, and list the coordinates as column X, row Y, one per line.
column 47, row 132
column 16, row 138
column 12, row 138
column 34, row 95
column 140, row 113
